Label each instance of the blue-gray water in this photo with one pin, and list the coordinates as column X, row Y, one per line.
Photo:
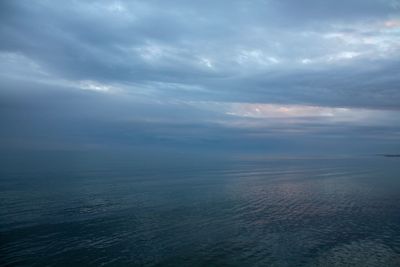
column 97, row 210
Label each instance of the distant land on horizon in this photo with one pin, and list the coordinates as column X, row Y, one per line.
column 391, row 155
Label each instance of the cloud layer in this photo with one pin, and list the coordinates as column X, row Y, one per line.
column 245, row 74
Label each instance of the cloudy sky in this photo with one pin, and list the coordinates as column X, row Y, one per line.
column 273, row 76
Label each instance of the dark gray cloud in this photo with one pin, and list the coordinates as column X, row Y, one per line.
column 200, row 73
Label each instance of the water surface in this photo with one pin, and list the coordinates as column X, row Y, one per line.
column 87, row 210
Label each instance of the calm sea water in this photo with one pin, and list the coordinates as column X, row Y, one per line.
column 110, row 211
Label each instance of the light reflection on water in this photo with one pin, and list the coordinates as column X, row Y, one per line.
column 301, row 212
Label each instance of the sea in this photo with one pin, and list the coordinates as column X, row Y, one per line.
column 99, row 209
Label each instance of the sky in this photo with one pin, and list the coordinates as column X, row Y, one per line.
column 265, row 76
